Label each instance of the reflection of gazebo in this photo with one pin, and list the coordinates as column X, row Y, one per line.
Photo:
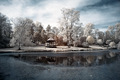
column 51, row 43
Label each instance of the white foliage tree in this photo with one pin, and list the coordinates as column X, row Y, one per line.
column 69, row 20
column 117, row 32
column 113, row 33
column 77, row 32
column 88, row 29
column 21, row 34
column 111, row 30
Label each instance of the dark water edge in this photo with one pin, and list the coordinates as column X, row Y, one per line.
column 30, row 67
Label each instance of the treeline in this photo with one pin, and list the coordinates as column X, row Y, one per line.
column 5, row 31
column 70, row 32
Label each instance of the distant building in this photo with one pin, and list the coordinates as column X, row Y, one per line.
column 50, row 43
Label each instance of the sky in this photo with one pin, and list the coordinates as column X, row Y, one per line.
column 102, row 13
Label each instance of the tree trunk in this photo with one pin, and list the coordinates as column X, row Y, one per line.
column 19, row 47
column 68, row 44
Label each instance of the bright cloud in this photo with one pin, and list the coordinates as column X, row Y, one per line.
column 49, row 11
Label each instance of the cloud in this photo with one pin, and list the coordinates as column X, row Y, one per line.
column 101, row 15
column 49, row 11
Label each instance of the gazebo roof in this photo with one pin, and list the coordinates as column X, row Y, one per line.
column 50, row 40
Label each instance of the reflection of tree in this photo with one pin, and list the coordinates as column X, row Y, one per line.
column 110, row 58
column 76, row 60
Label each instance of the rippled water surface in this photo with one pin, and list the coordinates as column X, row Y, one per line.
column 60, row 66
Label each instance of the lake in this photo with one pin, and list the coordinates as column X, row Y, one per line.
column 104, row 65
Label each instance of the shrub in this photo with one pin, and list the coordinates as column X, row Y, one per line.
column 83, row 39
column 112, row 45
column 118, row 46
column 85, row 45
column 77, row 44
column 90, row 40
column 108, row 42
column 100, row 41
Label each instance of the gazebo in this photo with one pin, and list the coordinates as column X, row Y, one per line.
column 51, row 43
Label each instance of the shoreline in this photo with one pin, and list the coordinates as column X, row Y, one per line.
column 62, row 49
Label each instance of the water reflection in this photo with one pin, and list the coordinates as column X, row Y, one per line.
column 71, row 60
